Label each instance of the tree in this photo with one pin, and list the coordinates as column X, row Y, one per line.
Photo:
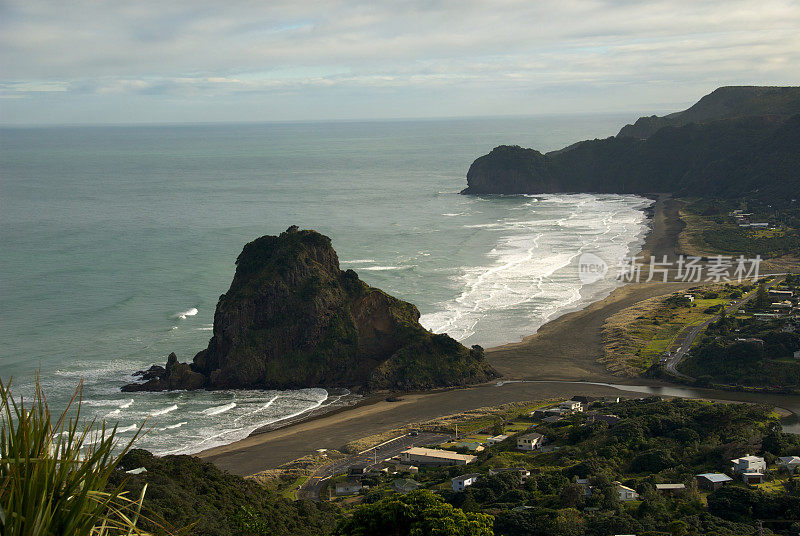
column 419, row 513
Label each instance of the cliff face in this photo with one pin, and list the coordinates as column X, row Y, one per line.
column 746, row 156
column 723, row 103
column 292, row 318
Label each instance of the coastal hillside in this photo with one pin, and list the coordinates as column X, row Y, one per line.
column 722, row 103
column 292, row 318
column 753, row 156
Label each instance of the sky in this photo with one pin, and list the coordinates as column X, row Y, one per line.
column 175, row 61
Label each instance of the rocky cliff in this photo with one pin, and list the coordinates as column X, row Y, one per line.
column 734, row 157
column 292, row 318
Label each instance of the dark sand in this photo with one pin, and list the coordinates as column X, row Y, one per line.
column 565, row 349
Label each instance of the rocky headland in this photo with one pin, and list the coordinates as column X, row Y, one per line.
column 736, row 141
column 292, row 318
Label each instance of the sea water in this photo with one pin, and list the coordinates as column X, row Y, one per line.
column 116, row 242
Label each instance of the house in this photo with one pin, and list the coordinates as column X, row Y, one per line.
column 405, row 485
column 434, row 457
column 781, row 294
column 670, row 489
column 358, row 469
column 752, row 478
column 460, row 483
column 571, row 405
column 521, row 471
column 530, row 441
column 689, row 297
column 625, row 493
column 749, row 464
column 496, row 439
column 782, row 308
column 789, row 462
column 751, row 340
column 712, row 481
column 608, row 419
column 348, row 487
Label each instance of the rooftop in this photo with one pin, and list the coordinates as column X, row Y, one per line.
column 716, row 477
column 438, row 453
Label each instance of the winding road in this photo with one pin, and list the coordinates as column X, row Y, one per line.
column 683, row 341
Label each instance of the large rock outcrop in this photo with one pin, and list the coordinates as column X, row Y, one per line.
column 292, row 318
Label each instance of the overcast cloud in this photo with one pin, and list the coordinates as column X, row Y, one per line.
column 174, row 61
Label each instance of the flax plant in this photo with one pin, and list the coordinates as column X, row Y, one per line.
column 54, row 475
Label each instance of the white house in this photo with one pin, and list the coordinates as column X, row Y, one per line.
column 423, row 456
column 625, row 493
column 749, row 464
column 496, row 439
column 460, row 483
column 571, row 405
column 530, row 441
column 789, row 462
column 689, row 297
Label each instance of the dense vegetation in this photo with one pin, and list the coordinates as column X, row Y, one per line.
column 749, row 351
column 654, row 442
column 719, row 232
column 722, row 103
column 752, row 156
column 184, row 490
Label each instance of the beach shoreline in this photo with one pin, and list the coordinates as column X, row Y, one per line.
column 565, row 349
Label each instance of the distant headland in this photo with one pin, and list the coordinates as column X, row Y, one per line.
column 734, row 142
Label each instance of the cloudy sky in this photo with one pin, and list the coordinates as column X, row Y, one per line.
column 98, row 61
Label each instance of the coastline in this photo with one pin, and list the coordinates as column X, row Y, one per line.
column 565, row 349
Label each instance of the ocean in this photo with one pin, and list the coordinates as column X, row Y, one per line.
column 116, row 242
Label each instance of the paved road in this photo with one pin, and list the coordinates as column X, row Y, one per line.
column 312, row 487
column 683, row 342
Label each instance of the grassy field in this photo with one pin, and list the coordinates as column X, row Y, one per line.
column 637, row 337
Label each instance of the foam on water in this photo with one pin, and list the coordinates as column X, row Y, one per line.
column 189, row 312
column 219, row 409
column 531, row 273
column 164, row 411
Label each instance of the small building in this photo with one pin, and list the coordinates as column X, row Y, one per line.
column 689, row 297
column 712, row 481
column 521, row 471
column 530, row 441
column 587, row 489
column 625, row 493
column 608, row 419
column 753, row 478
column 434, row 457
column 797, row 354
column 496, row 439
column 571, row 405
column 670, row 489
column 358, row 469
column 789, row 462
column 405, row 485
column 348, row 487
column 552, row 418
column 749, row 464
column 783, row 294
column 460, row 483
column 751, row 340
